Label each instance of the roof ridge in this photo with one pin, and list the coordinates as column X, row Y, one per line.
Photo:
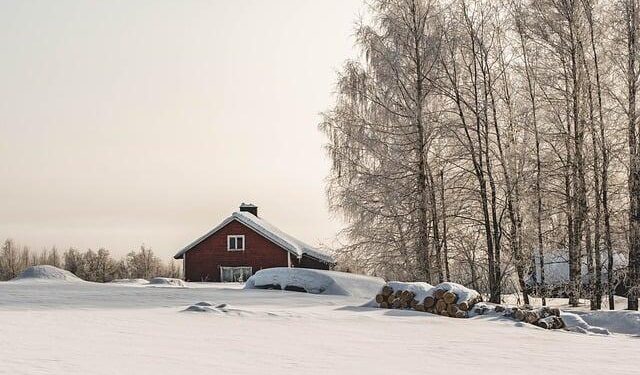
column 269, row 231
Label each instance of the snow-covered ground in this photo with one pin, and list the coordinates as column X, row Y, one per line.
column 53, row 327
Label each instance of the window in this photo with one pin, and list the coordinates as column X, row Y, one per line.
column 235, row 274
column 235, row 243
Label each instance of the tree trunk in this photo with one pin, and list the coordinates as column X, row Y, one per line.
column 634, row 158
column 445, row 247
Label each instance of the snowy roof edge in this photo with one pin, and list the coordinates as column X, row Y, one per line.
column 270, row 232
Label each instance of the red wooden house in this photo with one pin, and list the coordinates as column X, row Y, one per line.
column 243, row 244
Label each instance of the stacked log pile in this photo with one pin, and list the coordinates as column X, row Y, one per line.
column 456, row 301
column 446, row 299
column 399, row 299
column 543, row 317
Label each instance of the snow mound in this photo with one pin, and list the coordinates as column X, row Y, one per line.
column 619, row 321
column 223, row 309
column 46, row 273
column 315, row 281
column 482, row 308
column 166, row 281
column 208, row 308
column 575, row 323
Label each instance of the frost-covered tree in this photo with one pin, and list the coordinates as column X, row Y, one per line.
column 509, row 137
column 381, row 131
column 9, row 260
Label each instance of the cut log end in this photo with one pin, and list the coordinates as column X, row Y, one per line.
column 429, row 302
column 450, row 297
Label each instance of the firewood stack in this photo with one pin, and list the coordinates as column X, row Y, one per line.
column 456, row 301
column 398, row 299
column 446, row 299
column 544, row 317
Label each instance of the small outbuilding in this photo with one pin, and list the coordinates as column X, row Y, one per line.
column 243, row 244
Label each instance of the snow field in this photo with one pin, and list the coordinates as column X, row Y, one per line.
column 52, row 327
column 280, row 337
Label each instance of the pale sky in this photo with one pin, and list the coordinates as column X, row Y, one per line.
column 130, row 122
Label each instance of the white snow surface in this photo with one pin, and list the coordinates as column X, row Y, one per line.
column 317, row 281
column 48, row 274
column 89, row 328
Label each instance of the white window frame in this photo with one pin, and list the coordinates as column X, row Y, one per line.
column 236, row 236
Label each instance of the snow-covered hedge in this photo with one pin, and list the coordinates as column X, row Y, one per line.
column 315, row 281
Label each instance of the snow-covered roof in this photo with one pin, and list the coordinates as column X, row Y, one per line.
column 270, row 232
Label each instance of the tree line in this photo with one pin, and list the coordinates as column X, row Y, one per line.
column 472, row 138
column 89, row 265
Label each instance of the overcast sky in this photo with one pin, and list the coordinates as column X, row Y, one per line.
column 130, row 122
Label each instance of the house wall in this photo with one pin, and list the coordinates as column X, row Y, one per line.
column 203, row 261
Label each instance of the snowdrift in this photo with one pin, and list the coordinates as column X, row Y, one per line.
column 208, row 307
column 315, row 281
column 575, row 323
column 618, row 321
column 588, row 322
column 166, row 281
column 47, row 273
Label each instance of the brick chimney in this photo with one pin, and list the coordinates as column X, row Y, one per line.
column 248, row 207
